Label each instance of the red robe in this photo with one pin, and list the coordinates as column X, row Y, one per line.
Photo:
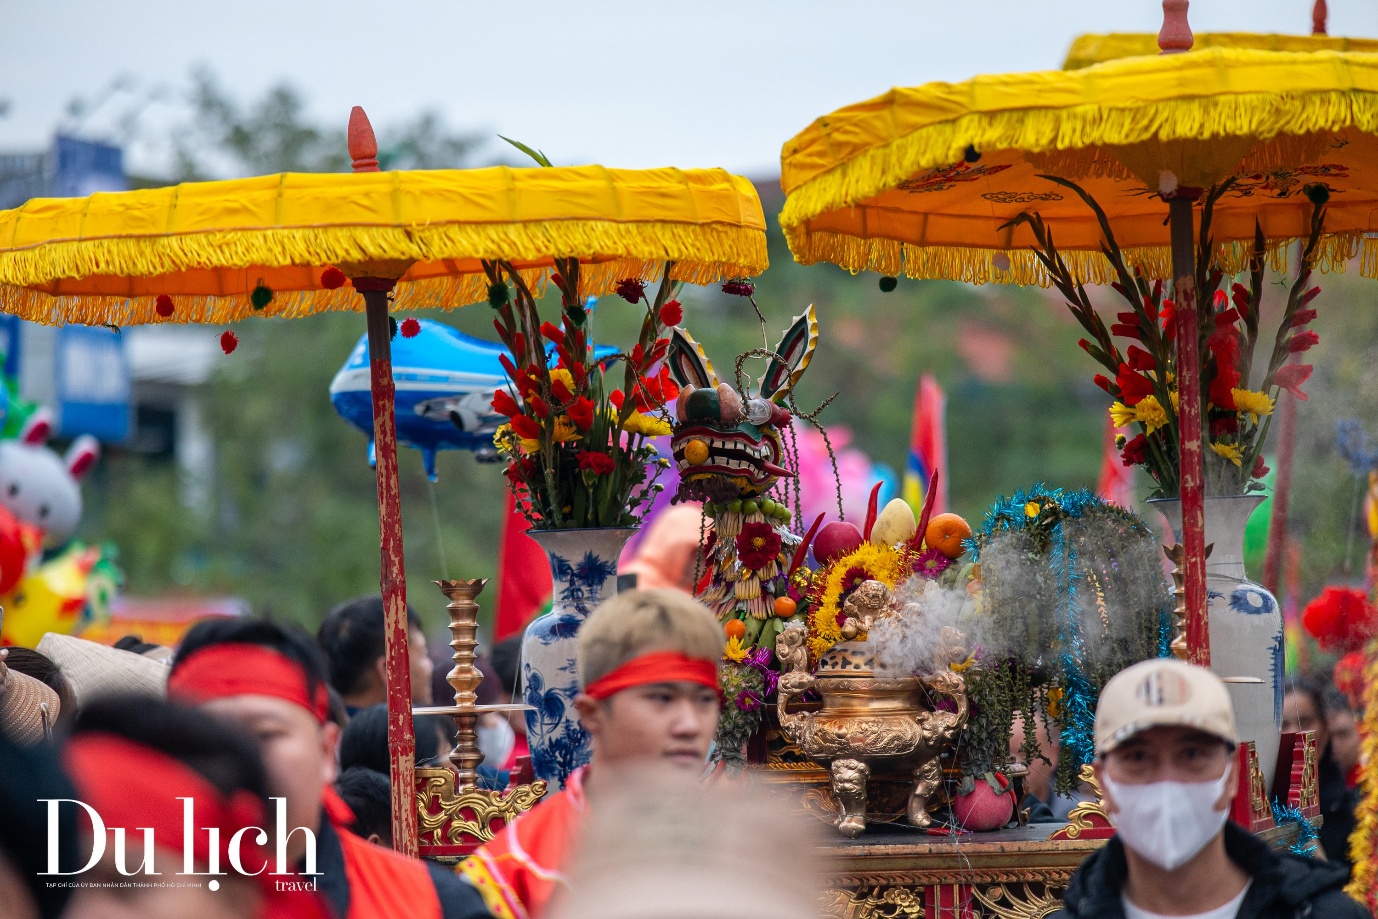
column 519, row 871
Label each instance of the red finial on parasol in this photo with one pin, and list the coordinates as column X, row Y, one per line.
column 1319, row 13
column 363, row 146
column 1175, row 35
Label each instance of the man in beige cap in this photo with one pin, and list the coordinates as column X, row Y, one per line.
column 1165, row 741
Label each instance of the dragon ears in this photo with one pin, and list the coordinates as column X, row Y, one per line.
column 794, row 352
column 688, row 364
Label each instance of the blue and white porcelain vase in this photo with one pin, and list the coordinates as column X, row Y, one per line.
column 1245, row 624
column 583, row 566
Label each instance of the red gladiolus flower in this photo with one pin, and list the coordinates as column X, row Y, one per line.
column 1126, row 331
column 504, row 404
column 1241, row 298
column 1084, row 345
column 1302, row 341
column 1135, row 451
column 228, row 342
column 538, row 406
column 163, row 306
column 332, row 278
column 1133, row 386
column 757, row 545
column 1226, row 318
column 1260, row 468
column 1140, row 359
column 671, row 314
column 410, row 328
column 577, row 371
column 1128, row 318
column 631, row 290
column 1226, row 424
column 1302, row 317
column 654, row 391
column 559, row 391
column 617, row 397
column 1291, row 376
column 1218, row 299
column 1221, row 391
column 595, row 462
column 580, row 412
column 1309, row 295
column 1103, row 382
column 553, row 332
column 525, row 427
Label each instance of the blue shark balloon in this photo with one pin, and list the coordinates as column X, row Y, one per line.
column 445, row 383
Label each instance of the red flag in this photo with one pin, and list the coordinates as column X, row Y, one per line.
column 927, row 446
column 524, row 583
column 1116, row 483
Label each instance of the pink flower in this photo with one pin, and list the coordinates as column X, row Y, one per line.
column 1302, row 341
column 1291, row 376
column 931, row 563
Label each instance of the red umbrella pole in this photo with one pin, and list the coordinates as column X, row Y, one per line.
column 363, row 149
column 1191, row 471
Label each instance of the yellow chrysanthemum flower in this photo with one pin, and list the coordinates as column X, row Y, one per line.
column 1121, row 415
column 1150, row 412
column 565, row 430
column 500, row 436
column 646, row 425
column 734, row 650
column 1032, row 509
column 1229, row 452
column 1252, row 403
column 1173, row 395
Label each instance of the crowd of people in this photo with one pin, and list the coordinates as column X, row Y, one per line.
column 245, row 776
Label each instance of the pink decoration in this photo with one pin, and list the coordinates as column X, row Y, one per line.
column 983, row 808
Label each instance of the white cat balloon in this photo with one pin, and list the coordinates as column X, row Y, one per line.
column 39, row 486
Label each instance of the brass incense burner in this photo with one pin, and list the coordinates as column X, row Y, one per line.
column 868, row 721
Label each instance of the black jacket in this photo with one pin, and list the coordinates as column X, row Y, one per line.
column 1284, row 886
column 1338, row 802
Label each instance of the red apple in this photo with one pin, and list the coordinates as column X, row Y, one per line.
column 835, row 540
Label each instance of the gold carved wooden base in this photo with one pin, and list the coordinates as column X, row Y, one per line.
column 453, row 824
column 1016, row 873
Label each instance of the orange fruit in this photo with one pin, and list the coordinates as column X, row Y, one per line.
column 735, row 628
column 945, row 533
column 785, row 607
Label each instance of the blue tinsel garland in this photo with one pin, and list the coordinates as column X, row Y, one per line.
column 1305, row 843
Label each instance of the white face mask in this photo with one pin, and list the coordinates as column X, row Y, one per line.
column 495, row 742
column 1167, row 822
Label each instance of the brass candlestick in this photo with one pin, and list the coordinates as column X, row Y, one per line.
column 464, row 678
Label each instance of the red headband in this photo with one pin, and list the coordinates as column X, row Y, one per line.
column 656, row 667
column 233, row 669
column 133, row 786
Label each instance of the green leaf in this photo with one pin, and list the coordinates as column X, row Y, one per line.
column 540, row 158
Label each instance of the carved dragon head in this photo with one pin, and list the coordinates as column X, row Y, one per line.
column 727, row 443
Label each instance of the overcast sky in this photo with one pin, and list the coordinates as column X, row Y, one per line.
column 630, row 83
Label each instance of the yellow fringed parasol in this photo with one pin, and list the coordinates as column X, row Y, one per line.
column 888, row 184
column 1087, row 50
column 227, row 250
column 928, row 182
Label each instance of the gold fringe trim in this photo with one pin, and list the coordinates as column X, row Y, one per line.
column 976, row 266
column 1042, row 131
column 702, row 254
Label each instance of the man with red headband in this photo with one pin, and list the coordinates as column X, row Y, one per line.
column 648, row 665
column 271, row 682
column 134, row 762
